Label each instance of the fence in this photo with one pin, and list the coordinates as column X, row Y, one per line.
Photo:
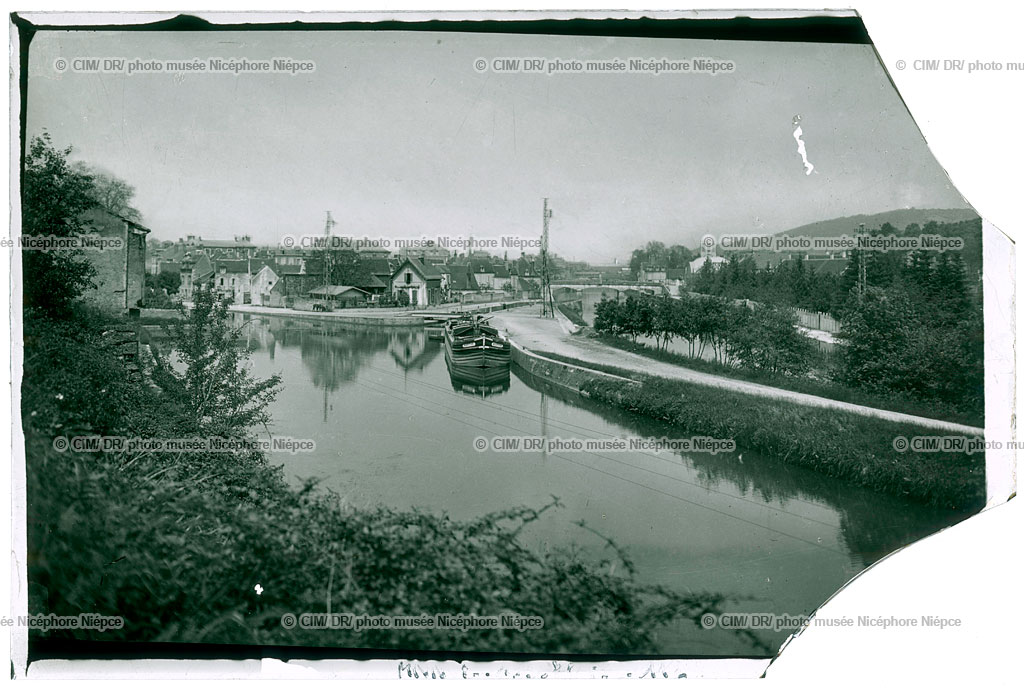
column 822, row 321
column 829, row 351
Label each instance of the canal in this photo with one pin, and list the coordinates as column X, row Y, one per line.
column 393, row 428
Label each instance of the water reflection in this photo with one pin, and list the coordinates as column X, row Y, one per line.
column 868, row 530
column 480, row 381
column 332, row 354
column 393, row 425
column 411, row 349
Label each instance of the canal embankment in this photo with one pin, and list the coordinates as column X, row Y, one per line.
column 861, row 445
column 867, row 451
column 551, row 336
column 574, row 378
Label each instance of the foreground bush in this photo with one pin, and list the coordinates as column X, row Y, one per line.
column 178, row 550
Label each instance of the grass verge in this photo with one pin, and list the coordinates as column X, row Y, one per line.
column 825, row 389
column 843, row 445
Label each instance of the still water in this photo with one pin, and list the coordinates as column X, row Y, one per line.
column 393, row 428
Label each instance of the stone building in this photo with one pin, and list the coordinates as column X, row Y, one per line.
column 120, row 280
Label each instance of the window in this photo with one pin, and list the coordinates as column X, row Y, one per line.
column 408, row 277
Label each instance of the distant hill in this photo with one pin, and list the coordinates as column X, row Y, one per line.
column 899, row 218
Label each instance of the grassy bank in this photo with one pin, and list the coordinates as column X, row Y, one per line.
column 816, row 387
column 842, row 445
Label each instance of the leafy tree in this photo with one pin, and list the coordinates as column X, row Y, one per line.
column 877, row 332
column 166, row 280
column 111, row 192
column 949, row 287
column 642, row 311
column 688, row 322
column 169, row 280
column 666, row 314
column 54, row 195
column 347, row 269
column 157, row 299
column 629, row 318
column 74, row 382
column 216, row 395
column 657, row 254
column 678, row 257
column 714, row 322
column 766, row 339
column 606, row 316
column 704, row 281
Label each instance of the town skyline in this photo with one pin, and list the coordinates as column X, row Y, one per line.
column 398, row 135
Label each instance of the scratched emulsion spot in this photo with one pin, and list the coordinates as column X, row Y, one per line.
column 259, row 589
column 800, row 148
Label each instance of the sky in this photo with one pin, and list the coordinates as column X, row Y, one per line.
column 398, row 135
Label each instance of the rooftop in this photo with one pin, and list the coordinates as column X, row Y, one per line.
column 334, row 290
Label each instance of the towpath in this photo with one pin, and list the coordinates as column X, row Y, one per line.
column 529, row 330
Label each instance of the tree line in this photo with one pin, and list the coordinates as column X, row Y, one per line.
column 758, row 337
column 658, row 254
column 797, row 283
column 912, row 320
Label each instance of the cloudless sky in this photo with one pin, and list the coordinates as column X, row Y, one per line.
column 398, row 135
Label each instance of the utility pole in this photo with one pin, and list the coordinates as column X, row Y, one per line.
column 862, row 271
column 328, row 224
column 547, row 299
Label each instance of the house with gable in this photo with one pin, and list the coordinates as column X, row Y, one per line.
column 196, row 272
column 262, row 283
column 419, row 282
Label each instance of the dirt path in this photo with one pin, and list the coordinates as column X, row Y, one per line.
column 534, row 333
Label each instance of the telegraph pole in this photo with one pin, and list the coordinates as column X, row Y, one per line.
column 862, row 271
column 547, row 299
column 328, row 224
